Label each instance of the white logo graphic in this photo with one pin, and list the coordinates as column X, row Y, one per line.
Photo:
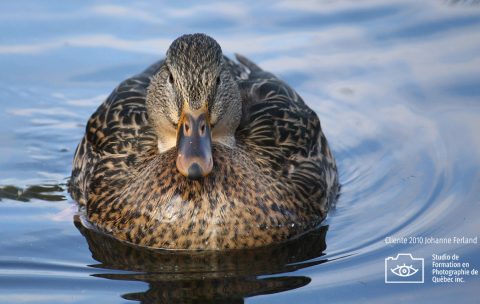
column 404, row 268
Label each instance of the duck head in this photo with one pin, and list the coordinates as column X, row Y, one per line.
column 192, row 101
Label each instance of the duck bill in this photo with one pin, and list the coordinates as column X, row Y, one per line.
column 194, row 145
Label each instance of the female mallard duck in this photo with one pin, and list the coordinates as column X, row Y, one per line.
column 199, row 152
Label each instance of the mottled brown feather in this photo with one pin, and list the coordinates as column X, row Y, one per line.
column 275, row 184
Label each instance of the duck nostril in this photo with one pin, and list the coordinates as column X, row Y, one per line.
column 202, row 128
column 186, row 128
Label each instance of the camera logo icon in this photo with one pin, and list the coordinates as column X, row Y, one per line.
column 404, row 268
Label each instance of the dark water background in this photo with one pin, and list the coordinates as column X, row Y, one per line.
column 395, row 83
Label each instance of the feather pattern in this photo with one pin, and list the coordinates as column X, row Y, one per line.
column 276, row 183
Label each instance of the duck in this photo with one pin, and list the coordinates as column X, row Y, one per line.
column 201, row 152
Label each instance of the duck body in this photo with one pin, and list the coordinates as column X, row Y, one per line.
column 274, row 183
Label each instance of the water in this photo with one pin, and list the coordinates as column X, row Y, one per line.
column 395, row 83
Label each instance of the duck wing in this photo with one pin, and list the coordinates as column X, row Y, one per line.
column 284, row 133
column 117, row 135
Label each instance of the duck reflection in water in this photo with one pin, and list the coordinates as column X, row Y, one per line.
column 206, row 276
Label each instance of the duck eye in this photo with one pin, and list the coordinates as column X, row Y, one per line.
column 218, row 80
column 170, row 78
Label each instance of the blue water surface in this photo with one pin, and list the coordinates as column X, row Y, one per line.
column 395, row 84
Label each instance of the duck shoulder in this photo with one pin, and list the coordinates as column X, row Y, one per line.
column 117, row 135
column 284, row 133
